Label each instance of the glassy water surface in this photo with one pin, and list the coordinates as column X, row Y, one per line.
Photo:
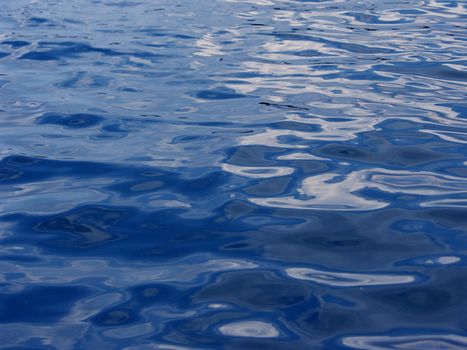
column 226, row 174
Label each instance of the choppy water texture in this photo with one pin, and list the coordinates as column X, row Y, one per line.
column 226, row 174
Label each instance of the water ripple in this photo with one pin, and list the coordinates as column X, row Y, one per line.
column 416, row 342
column 241, row 174
column 345, row 279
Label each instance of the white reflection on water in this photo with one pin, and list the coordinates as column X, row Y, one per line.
column 443, row 260
column 255, row 172
column 346, row 279
column 408, row 342
column 300, row 156
column 332, row 191
column 208, row 47
column 250, row 329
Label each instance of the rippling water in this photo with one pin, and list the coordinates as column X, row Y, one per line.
column 233, row 174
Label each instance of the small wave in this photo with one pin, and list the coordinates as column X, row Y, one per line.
column 349, row 280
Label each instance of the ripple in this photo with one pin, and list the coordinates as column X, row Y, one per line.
column 84, row 227
column 47, row 303
column 129, row 332
column 241, row 174
column 74, row 121
column 56, row 51
column 185, row 270
column 433, row 261
column 333, row 191
column 218, row 94
column 249, row 329
column 347, row 279
column 416, row 342
column 257, row 172
column 55, row 199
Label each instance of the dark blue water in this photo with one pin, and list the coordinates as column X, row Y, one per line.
column 227, row 174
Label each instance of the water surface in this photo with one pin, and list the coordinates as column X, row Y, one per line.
column 226, row 174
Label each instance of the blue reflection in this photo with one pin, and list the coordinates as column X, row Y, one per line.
column 240, row 174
